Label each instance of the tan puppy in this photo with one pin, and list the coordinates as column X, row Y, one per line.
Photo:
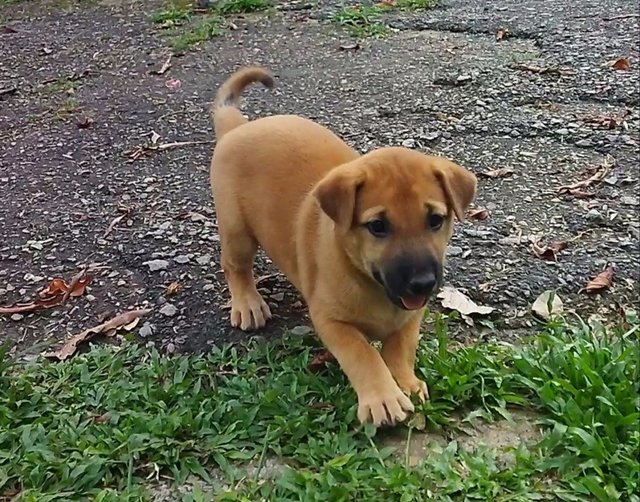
column 362, row 238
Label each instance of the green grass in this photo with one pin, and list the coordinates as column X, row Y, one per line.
column 98, row 426
column 361, row 21
column 191, row 28
column 416, row 4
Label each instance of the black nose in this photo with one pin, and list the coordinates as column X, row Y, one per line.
column 422, row 285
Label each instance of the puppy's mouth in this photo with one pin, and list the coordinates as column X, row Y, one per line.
column 413, row 302
column 405, row 302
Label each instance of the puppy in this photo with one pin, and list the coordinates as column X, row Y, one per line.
column 362, row 238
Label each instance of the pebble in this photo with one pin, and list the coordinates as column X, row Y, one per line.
column 278, row 296
column 301, row 330
column 562, row 132
column 409, row 143
column 204, row 259
column 594, row 215
column 630, row 201
column 454, row 251
column 17, row 317
column 168, row 310
column 171, row 348
column 146, row 330
column 584, row 143
column 208, row 287
column 182, row 259
column 155, row 265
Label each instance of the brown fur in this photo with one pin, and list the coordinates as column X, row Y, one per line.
column 294, row 188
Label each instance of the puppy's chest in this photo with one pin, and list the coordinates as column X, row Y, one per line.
column 379, row 323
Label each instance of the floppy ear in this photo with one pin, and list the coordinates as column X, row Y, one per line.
column 336, row 194
column 459, row 185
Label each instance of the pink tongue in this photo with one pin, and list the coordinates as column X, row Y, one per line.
column 413, row 302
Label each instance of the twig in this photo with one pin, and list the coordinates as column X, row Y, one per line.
column 178, row 144
column 623, row 16
column 113, row 223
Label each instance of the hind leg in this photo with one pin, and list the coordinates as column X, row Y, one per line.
column 248, row 309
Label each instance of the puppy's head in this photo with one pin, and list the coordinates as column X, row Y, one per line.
column 393, row 211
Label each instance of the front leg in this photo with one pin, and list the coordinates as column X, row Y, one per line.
column 380, row 400
column 399, row 352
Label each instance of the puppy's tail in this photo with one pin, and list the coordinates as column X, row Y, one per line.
column 224, row 111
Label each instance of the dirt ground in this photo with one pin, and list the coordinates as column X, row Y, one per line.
column 81, row 102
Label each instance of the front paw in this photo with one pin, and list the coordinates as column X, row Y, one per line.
column 384, row 407
column 413, row 385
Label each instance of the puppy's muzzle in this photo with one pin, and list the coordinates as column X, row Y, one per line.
column 409, row 281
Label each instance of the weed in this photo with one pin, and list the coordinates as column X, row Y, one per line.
column 98, row 426
column 416, row 4
column 361, row 21
column 205, row 29
column 243, row 6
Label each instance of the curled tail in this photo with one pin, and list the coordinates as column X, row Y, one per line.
column 224, row 111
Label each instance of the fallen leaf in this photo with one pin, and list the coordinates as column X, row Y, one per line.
column 84, row 123
column 56, row 293
column 501, row 34
column 321, row 360
column 498, row 173
column 580, row 194
column 606, row 122
column 453, row 299
column 109, row 328
column 598, row 173
column 548, row 252
column 621, row 64
column 547, row 305
column 173, row 288
column 387, row 3
column 478, row 214
column 604, row 280
column 6, row 30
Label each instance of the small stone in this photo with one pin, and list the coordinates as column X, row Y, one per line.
column 17, row 317
column 594, row 215
column 171, row 348
column 301, row 330
column 168, row 310
column 204, row 259
column 409, row 143
column 155, row 265
column 584, row 143
column 278, row 296
column 146, row 330
column 432, row 136
column 121, row 282
column 208, row 287
column 90, row 298
column 182, row 259
column 562, row 132
column 630, row 201
column 454, row 251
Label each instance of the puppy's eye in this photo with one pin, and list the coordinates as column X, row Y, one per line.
column 435, row 221
column 378, row 228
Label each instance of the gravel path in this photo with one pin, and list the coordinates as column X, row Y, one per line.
column 82, row 106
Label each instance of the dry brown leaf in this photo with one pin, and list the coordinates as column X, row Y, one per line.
column 501, row 34
column 621, row 64
column 604, row 280
column 599, row 172
column 548, row 252
column 84, row 123
column 453, row 299
column 478, row 214
column 321, row 360
column 387, row 3
column 56, row 293
column 173, row 288
column 606, row 122
column 165, row 66
column 498, row 173
column 109, row 328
